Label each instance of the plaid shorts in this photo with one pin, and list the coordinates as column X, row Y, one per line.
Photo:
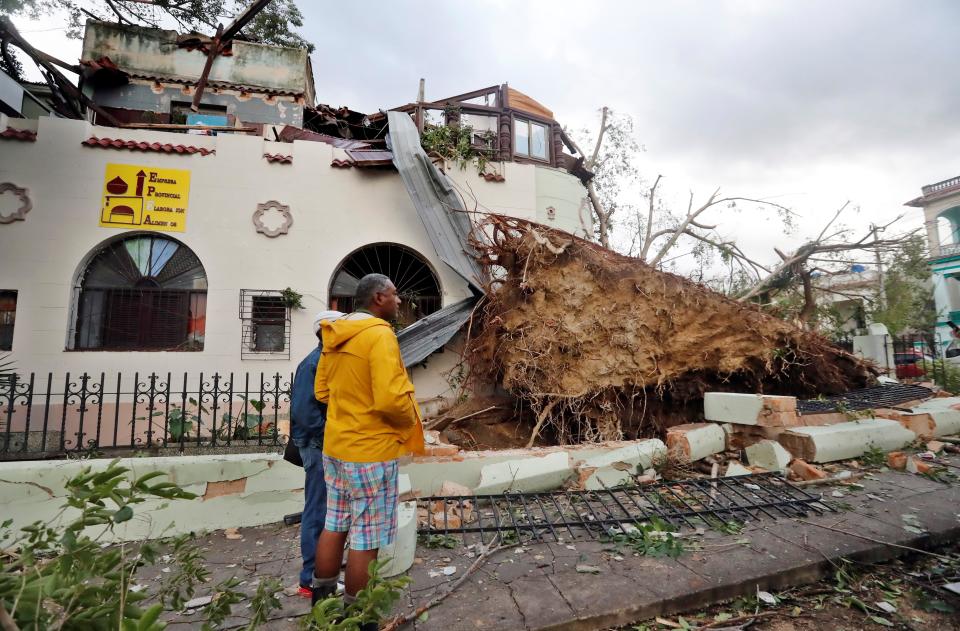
column 362, row 500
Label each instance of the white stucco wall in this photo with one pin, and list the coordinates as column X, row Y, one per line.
column 334, row 212
column 527, row 192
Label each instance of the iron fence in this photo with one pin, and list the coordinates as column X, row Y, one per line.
column 46, row 416
column 917, row 357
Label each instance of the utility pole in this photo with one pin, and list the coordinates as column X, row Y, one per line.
column 881, row 298
column 419, row 120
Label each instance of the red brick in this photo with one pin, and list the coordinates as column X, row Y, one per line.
column 806, row 471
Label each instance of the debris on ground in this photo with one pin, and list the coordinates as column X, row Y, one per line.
column 910, row 593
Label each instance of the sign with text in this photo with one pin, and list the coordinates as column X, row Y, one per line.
column 147, row 198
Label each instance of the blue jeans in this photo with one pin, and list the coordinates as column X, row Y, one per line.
column 314, row 509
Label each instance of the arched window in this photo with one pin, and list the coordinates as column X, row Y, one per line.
column 141, row 293
column 416, row 283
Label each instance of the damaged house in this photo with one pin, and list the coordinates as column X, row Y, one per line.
column 151, row 258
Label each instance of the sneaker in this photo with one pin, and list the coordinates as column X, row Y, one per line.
column 305, row 592
column 322, row 593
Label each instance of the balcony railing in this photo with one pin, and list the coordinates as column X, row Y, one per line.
column 946, row 250
column 941, row 186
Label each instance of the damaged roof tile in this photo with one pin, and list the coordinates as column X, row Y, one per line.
column 290, row 133
column 277, row 157
column 24, row 135
column 133, row 145
column 493, row 177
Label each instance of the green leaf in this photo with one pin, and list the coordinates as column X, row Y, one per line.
column 423, row 617
column 150, row 616
column 124, row 514
column 880, row 621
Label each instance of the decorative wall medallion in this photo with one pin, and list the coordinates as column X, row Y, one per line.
column 272, row 218
column 551, row 213
column 25, row 204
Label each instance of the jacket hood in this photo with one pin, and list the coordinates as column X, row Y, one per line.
column 339, row 332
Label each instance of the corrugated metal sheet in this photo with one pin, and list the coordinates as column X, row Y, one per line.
column 438, row 205
column 425, row 336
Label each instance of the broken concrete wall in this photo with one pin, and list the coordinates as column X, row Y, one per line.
column 155, row 52
column 530, row 469
column 233, row 491
column 845, row 440
column 254, row 489
column 160, row 98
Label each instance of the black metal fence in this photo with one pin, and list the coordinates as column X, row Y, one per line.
column 918, row 357
column 48, row 416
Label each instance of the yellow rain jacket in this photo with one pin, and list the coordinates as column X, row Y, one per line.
column 372, row 415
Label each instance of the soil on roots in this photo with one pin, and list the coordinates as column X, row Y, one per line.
column 593, row 342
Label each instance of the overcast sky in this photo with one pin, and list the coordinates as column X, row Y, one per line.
column 811, row 103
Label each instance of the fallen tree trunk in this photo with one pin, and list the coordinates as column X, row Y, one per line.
column 590, row 338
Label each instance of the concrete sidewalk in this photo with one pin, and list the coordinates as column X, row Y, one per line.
column 539, row 587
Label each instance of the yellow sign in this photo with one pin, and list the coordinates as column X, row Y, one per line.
column 145, row 197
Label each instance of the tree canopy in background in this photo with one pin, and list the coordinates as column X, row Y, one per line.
column 276, row 24
column 907, row 301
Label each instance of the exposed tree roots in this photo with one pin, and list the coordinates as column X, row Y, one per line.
column 594, row 341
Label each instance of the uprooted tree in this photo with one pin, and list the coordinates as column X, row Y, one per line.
column 593, row 341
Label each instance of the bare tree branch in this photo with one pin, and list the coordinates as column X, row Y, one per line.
column 596, row 148
column 794, row 266
column 649, row 227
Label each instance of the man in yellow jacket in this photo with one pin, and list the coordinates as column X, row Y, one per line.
column 372, row 419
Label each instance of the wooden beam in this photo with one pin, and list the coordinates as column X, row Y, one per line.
column 202, row 82
column 50, row 58
column 183, row 127
column 220, row 41
column 243, row 19
column 9, row 31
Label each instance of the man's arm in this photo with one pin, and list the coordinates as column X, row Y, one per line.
column 320, row 389
column 392, row 390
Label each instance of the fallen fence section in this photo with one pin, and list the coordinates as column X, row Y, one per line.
column 558, row 515
column 885, row 396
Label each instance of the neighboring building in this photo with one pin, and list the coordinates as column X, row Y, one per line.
column 848, row 293
column 23, row 100
column 941, row 208
column 141, row 75
column 136, row 249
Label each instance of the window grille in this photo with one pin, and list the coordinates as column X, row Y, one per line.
column 142, row 293
column 8, row 315
column 416, row 283
column 266, row 324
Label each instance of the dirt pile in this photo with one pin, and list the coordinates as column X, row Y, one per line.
column 594, row 341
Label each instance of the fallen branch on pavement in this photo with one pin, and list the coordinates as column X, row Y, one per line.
column 831, row 480
column 735, row 622
column 404, row 619
column 880, row 541
column 447, row 423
